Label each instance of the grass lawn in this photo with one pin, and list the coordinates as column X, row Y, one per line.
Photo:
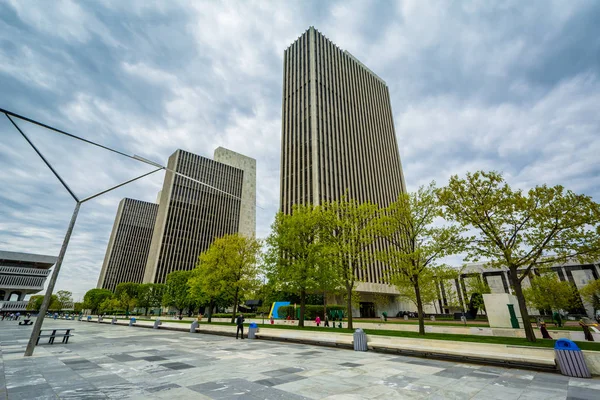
column 414, row 335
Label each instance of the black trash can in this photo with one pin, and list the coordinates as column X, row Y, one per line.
column 360, row 340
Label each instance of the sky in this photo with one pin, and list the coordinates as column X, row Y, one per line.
column 509, row 86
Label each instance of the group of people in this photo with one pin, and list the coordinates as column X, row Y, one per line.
column 12, row 316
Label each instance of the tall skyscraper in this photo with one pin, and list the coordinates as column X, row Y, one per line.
column 129, row 243
column 191, row 215
column 337, row 135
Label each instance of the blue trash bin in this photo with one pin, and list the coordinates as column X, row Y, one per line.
column 252, row 330
column 570, row 359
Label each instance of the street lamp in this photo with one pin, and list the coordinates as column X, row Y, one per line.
column 78, row 202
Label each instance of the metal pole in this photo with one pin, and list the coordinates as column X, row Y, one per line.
column 46, row 303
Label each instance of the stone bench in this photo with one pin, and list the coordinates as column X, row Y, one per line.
column 467, row 351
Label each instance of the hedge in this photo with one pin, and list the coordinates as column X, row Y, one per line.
column 229, row 315
column 310, row 311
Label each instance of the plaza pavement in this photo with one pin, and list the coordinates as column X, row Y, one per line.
column 104, row 361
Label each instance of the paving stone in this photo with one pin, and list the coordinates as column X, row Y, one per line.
column 106, row 361
column 177, row 365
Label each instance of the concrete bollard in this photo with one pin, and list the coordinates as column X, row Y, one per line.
column 157, row 323
column 193, row 327
column 113, row 321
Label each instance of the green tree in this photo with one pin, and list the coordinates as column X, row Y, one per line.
column 591, row 294
column 348, row 236
column 35, row 303
column 176, row 292
column 548, row 292
column 545, row 226
column 414, row 245
column 109, row 304
column 476, row 287
column 94, row 297
column 77, row 307
column 295, row 256
column 126, row 293
column 232, row 260
column 65, row 299
column 149, row 295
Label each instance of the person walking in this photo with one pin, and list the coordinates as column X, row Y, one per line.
column 326, row 325
column 239, row 321
column 318, row 321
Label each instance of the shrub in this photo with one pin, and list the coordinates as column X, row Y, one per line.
column 229, row 315
column 310, row 312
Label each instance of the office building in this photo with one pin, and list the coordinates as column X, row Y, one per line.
column 21, row 274
column 499, row 281
column 338, row 136
column 129, row 244
column 192, row 215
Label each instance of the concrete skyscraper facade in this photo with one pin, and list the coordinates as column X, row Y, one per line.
column 129, row 244
column 338, row 135
column 191, row 215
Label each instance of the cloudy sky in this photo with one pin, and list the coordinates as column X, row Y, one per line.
column 511, row 86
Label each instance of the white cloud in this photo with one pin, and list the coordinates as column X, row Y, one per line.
column 473, row 86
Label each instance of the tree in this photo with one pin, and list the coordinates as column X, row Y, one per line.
column 414, row 244
column 77, row 307
column 545, row 226
column 548, row 292
column 231, row 261
column 475, row 288
column 65, row 299
column 591, row 294
column 176, row 292
column 35, row 303
column 295, row 257
column 94, row 297
column 109, row 304
column 348, row 236
column 126, row 293
column 149, row 295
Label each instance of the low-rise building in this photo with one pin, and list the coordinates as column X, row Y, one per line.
column 21, row 274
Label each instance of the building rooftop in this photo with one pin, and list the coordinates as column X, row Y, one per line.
column 26, row 260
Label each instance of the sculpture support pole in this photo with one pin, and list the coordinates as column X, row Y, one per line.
column 35, row 334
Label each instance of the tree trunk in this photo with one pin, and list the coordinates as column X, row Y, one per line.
column 146, row 314
column 349, row 306
column 235, row 304
column 211, row 306
column 302, row 306
column 420, row 309
column 324, row 305
column 529, row 333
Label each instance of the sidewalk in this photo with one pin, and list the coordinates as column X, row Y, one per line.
column 497, row 354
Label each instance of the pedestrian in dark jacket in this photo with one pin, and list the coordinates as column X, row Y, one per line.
column 544, row 331
column 239, row 321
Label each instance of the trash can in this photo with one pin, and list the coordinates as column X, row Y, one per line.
column 131, row 321
column 89, row 318
column 570, row 359
column 252, row 330
column 360, row 340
